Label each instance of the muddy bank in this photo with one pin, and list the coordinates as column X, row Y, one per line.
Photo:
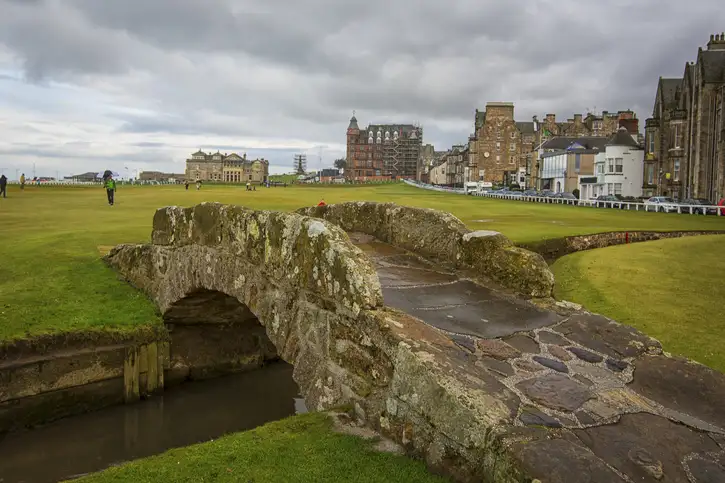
column 52, row 377
column 556, row 248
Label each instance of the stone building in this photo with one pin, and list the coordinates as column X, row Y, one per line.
column 496, row 144
column 226, row 168
column 161, row 177
column 383, row 151
column 685, row 137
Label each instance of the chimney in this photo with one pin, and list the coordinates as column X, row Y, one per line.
column 578, row 118
column 551, row 118
column 631, row 125
column 717, row 42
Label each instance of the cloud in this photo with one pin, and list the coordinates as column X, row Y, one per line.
column 146, row 82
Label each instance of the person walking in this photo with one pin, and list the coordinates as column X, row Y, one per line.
column 186, row 184
column 22, row 181
column 3, row 186
column 110, row 186
column 198, row 184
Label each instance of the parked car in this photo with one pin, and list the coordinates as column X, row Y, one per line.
column 697, row 206
column 608, row 201
column 663, row 204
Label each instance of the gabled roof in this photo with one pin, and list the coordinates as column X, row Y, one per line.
column 525, row 127
column 199, row 152
column 622, row 138
column 667, row 90
column 713, row 65
column 353, row 123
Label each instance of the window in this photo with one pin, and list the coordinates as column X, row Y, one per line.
column 618, row 189
column 618, row 168
column 513, row 135
column 250, row 177
column 512, row 148
column 600, row 168
column 610, row 165
column 650, row 174
column 511, row 160
column 610, row 189
column 577, row 162
column 498, row 146
column 677, row 133
column 677, row 170
column 498, row 158
column 650, row 141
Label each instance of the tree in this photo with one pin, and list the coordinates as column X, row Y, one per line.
column 340, row 163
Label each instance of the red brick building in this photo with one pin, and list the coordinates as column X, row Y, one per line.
column 382, row 151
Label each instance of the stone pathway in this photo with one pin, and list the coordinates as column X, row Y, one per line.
column 593, row 400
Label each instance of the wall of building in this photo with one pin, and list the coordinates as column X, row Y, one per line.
column 498, row 143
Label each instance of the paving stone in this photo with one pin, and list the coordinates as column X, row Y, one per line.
column 683, row 386
column 395, row 277
column 607, row 337
column 497, row 349
column 551, row 364
column 500, row 367
column 555, row 391
column 560, row 461
column 547, row 337
column 559, row 353
column 595, row 373
column 468, row 343
column 585, row 355
column 583, row 380
column 534, row 417
column 616, row 365
column 645, row 447
column 706, row 471
column 601, row 409
column 719, row 439
column 528, row 366
column 466, row 308
column 585, row 418
column 523, row 343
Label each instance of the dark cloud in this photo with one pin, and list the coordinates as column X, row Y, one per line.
column 288, row 73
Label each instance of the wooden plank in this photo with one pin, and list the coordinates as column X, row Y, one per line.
column 152, row 363
column 131, row 375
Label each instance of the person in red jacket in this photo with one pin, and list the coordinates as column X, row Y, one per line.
column 321, row 203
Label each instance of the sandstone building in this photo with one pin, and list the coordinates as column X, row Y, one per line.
column 685, row 137
column 226, row 168
column 502, row 148
column 383, row 151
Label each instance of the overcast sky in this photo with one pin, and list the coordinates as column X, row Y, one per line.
column 140, row 84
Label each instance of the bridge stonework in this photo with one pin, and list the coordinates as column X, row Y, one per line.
column 412, row 320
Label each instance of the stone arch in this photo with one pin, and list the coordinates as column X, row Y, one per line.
column 302, row 278
column 212, row 334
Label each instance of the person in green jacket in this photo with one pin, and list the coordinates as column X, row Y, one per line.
column 110, row 186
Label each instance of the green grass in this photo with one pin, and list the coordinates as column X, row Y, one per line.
column 52, row 279
column 672, row 290
column 298, row 449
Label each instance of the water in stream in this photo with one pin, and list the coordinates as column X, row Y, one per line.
column 183, row 415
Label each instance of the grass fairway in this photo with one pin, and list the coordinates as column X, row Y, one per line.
column 298, row 449
column 672, row 290
column 52, row 279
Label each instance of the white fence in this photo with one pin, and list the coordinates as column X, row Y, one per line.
column 622, row 205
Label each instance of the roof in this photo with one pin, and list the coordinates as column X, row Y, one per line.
column 667, row 89
column 353, row 123
column 480, row 119
column 199, row 152
column 622, row 138
column 525, row 127
column 713, row 65
column 587, row 142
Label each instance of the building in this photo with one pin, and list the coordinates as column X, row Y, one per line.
column 438, row 174
column 618, row 169
column 425, row 162
column 383, row 151
column 85, row 177
column 565, row 159
column 605, row 124
column 226, row 168
column 685, row 137
column 496, row 144
column 161, row 177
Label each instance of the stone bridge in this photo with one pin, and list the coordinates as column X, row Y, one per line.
column 445, row 340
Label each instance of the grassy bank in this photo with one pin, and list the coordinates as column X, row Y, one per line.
column 300, row 449
column 670, row 289
column 52, row 278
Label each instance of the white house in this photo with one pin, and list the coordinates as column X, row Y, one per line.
column 618, row 169
column 438, row 175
